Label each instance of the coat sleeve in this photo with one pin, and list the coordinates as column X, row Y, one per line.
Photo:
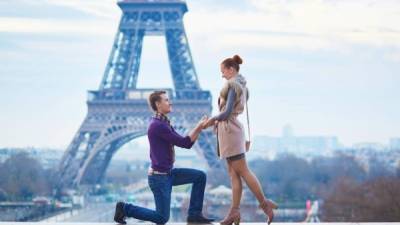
column 171, row 136
column 229, row 106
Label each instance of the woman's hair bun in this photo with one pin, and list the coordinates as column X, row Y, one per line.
column 237, row 59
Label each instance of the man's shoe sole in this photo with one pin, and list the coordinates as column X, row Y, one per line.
column 119, row 209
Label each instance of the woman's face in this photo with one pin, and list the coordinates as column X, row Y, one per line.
column 227, row 73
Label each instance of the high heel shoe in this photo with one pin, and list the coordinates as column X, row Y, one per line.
column 232, row 217
column 267, row 206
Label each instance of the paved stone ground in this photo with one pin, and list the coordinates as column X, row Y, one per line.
column 144, row 223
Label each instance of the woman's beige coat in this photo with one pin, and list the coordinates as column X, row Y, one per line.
column 230, row 132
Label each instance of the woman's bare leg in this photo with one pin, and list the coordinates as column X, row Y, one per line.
column 240, row 167
column 237, row 188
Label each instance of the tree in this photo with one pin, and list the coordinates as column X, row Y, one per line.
column 3, row 195
column 23, row 177
column 376, row 200
column 287, row 178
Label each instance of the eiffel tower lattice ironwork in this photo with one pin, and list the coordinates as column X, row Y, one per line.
column 118, row 110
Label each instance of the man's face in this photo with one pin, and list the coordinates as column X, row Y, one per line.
column 164, row 106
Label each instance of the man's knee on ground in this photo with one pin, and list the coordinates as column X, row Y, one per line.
column 163, row 219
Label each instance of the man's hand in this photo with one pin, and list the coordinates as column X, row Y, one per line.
column 194, row 134
column 201, row 124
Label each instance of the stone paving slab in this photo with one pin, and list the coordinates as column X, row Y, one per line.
column 144, row 223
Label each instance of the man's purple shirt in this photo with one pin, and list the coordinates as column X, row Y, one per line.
column 161, row 136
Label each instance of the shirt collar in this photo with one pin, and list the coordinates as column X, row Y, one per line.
column 161, row 117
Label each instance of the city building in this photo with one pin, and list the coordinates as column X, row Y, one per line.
column 394, row 143
column 305, row 146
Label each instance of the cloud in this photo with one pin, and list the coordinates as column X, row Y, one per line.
column 104, row 17
column 305, row 24
column 393, row 56
column 34, row 25
column 103, row 8
column 309, row 25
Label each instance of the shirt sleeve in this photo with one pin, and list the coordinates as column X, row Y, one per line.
column 229, row 106
column 172, row 137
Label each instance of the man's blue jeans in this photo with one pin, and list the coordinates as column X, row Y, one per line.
column 161, row 186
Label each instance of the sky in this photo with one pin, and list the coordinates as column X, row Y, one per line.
column 327, row 67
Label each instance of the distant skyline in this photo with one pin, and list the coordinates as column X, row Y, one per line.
column 329, row 68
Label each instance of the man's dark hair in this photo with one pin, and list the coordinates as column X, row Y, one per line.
column 155, row 97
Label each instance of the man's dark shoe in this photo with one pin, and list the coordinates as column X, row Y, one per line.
column 119, row 215
column 199, row 219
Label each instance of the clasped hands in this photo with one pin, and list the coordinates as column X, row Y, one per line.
column 206, row 122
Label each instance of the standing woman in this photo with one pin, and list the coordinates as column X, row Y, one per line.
column 231, row 140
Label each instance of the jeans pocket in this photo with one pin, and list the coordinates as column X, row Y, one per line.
column 158, row 181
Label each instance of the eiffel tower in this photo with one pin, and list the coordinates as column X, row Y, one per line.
column 118, row 110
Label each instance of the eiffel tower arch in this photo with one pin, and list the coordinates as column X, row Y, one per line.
column 118, row 110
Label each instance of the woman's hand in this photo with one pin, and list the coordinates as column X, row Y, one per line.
column 209, row 123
